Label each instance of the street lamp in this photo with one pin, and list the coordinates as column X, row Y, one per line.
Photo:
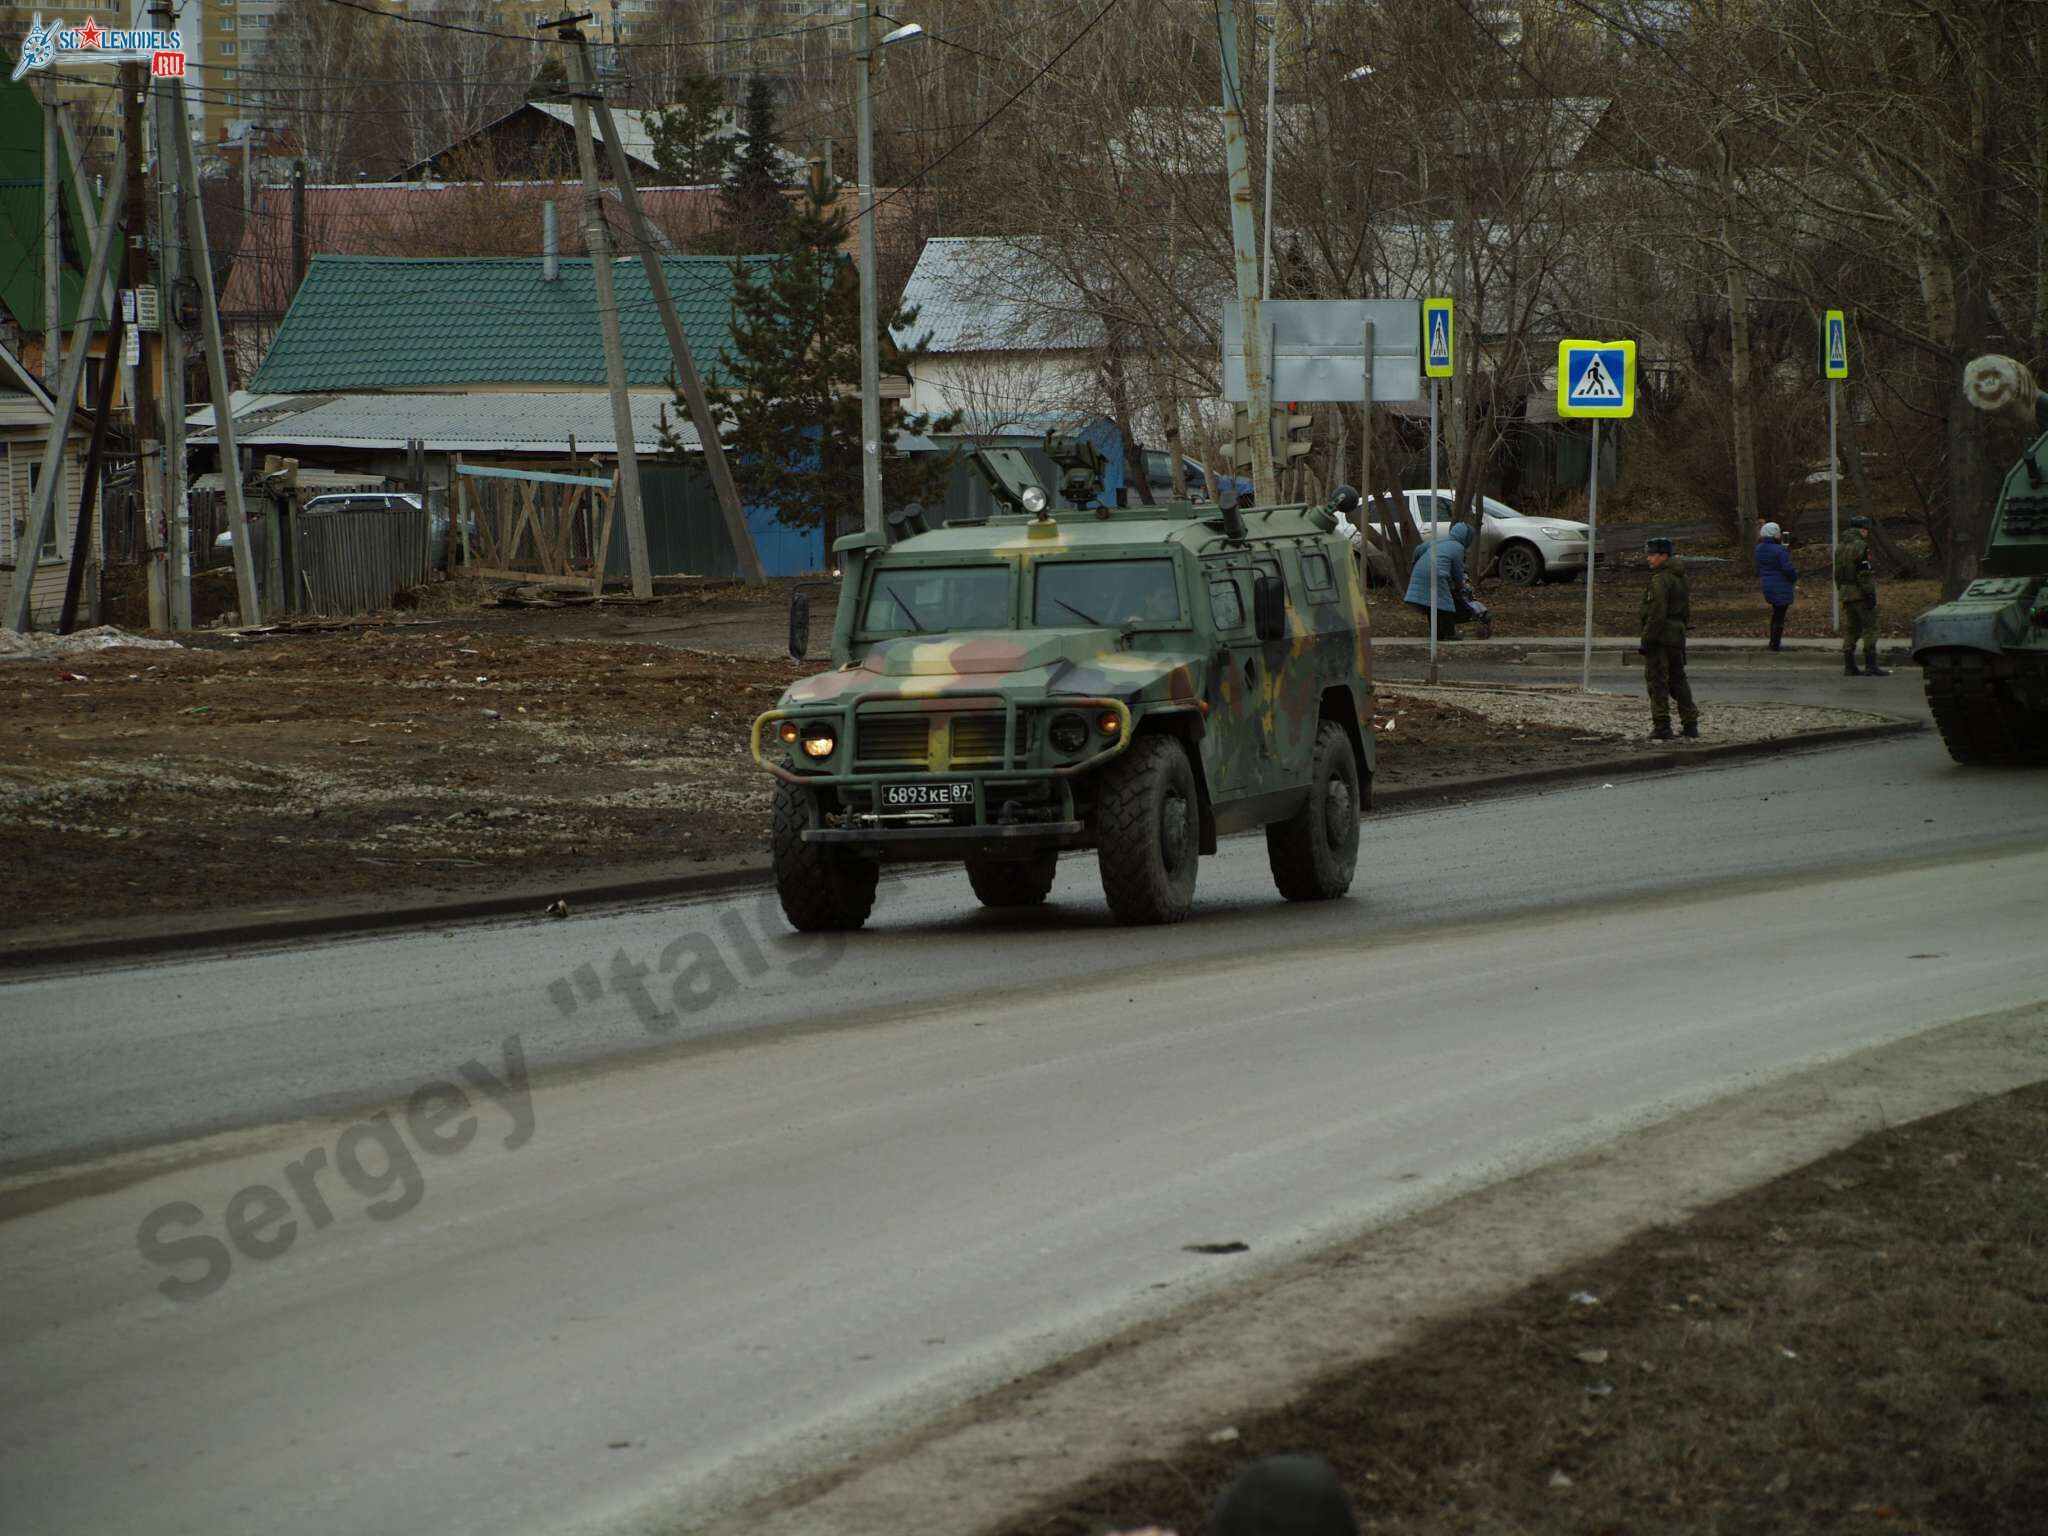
column 870, row 319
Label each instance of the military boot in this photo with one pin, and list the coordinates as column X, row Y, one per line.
column 1849, row 668
column 1661, row 731
column 1692, row 731
column 1871, row 668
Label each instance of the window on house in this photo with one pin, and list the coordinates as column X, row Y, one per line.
column 21, row 515
column 227, row 50
column 232, row 73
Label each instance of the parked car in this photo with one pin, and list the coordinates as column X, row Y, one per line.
column 1527, row 549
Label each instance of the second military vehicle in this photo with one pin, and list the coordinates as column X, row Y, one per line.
column 1984, row 656
column 1137, row 681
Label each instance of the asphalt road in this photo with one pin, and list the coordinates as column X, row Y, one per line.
column 600, row 1271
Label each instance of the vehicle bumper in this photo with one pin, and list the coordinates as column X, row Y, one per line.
column 1019, row 802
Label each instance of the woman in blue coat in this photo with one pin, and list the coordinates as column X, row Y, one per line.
column 1777, row 579
column 1443, row 606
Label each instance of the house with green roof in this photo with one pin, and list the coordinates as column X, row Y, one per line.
column 363, row 323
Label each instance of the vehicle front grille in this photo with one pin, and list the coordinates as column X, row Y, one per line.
column 977, row 739
column 892, row 739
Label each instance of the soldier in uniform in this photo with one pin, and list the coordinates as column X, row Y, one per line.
column 1666, row 610
column 1856, row 585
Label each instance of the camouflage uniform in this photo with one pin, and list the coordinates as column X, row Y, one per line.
column 1856, row 583
column 1666, row 610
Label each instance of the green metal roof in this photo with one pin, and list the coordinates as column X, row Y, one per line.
column 21, row 210
column 375, row 322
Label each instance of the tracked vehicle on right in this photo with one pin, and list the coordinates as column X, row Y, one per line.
column 1984, row 655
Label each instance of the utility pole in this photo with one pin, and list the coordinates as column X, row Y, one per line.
column 597, row 237
column 53, row 245
column 870, row 306
column 248, row 171
column 298, row 224
column 249, row 599
column 678, row 344
column 135, row 276
column 170, row 267
column 1245, row 247
column 42, row 506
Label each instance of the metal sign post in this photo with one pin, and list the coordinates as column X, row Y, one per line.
column 1595, row 379
column 1437, row 320
column 1835, row 365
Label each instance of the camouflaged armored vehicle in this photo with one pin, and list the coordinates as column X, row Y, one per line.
column 1137, row 681
column 1984, row 655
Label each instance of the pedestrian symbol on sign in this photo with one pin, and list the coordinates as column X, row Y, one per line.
column 1596, row 378
column 1835, row 364
column 1596, row 385
column 1436, row 332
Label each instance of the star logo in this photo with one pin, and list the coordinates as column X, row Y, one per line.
column 89, row 34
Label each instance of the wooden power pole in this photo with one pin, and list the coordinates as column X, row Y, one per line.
column 597, row 237
column 678, row 344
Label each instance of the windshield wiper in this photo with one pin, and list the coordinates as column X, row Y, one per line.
column 1089, row 619
column 909, row 612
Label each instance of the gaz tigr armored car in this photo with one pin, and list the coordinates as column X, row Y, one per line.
column 1139, row 681
column 1984, row 655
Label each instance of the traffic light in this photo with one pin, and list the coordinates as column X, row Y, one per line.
column 1293, row 433
column 1240, row 439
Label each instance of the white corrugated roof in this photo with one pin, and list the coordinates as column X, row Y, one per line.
column 984, row 294
column 513, row 421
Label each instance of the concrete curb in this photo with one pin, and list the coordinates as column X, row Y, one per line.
column 20, row 952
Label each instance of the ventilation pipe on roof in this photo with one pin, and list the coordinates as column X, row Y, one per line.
column 550, row 243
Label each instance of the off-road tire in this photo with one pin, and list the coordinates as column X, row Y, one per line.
column 1314, row 853
column 1013, row 882
column 823, row 889
column 1520, row 564
column 1148, row 832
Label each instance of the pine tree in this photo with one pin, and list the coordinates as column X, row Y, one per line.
column 691, row 148
column 794, row 417
column 755, row 209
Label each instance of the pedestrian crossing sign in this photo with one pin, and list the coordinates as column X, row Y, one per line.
column 1836, row 350
column 1436, row 338
column 1596, row 378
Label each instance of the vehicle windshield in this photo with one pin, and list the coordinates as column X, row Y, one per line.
column 1106, row 592
column 930, row 600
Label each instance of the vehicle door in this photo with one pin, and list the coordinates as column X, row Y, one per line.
column 1233, row 744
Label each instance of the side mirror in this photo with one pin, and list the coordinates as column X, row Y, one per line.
column 799, row 624
column 1269, row 608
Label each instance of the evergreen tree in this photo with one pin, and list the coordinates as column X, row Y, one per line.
column 755, row 209
column 691, row 148
column 794, row 416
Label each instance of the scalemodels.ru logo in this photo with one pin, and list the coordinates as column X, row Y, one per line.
column 91, row 43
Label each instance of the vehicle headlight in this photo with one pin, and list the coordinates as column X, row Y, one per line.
column 1565, row 533
column 1068, row 733
column 819, row 741
column 1109, row 722
column 786, row 733
column 1035, row 500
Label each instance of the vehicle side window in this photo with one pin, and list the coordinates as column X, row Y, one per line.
column 1226, row 602
column 1316, row 573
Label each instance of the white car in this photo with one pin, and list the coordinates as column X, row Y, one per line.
column 1528, row 549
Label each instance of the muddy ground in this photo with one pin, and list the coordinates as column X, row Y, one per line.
column 1859, row 1346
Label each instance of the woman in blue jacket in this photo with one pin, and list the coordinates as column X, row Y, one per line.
column 1775, row 576
column 1443, row 606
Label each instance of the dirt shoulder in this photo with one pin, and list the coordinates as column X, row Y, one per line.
column 400, row 764
column 1859, row 1345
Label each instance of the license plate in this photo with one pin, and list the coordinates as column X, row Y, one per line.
column 917, row 797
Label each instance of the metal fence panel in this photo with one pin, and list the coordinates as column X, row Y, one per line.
column 358, row 561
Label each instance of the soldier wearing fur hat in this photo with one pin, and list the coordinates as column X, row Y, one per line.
column 1667, row 609
column 1856, row 585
